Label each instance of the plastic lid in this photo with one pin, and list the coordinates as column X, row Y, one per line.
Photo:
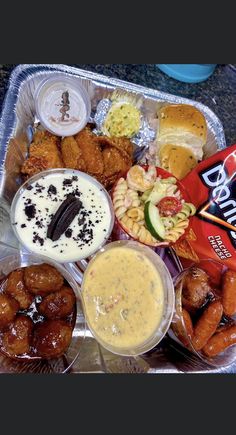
column 62, row 105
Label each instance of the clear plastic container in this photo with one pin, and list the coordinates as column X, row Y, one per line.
column 7, row 236
column 69, row 255
column 178, row 330
column 56, row 365
column 168, row 306
column 62, row 105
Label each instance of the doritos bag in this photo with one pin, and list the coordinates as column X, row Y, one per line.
column 212, row 189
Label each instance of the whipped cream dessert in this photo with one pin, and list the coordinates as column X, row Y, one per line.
column 65, row 215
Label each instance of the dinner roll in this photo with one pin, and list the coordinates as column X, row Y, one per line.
column 177, row 160
column 182, row 124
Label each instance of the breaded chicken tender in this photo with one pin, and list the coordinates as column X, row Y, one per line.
column 72, row 154
column 91, row 152
column 44, row 153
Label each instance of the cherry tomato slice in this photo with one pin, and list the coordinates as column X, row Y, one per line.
column 169, row 206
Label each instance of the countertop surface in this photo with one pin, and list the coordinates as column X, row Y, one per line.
column 218, row 92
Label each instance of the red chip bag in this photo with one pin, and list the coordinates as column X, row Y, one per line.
column 212, row 189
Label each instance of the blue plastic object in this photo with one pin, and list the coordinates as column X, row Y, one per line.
column 188, row 73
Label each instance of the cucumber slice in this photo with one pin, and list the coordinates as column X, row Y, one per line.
column 153, row 221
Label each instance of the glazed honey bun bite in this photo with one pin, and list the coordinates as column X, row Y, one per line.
column 182, row 125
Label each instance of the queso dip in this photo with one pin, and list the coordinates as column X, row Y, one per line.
column 123, row 297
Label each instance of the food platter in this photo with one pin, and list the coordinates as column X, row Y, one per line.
column 18, row 117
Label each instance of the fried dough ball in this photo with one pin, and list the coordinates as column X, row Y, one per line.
column 8, row 309
column 16, row 288
column 59, row 304
column 16, row 341
column 42, row 279
column 196, row 289
column 52, row 338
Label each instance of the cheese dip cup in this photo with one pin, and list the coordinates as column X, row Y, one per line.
column 128, row 298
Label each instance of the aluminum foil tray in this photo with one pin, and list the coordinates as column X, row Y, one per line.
column 17, row 119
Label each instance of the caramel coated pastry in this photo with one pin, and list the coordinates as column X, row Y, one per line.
column 72, row 154
column 220, row 341
column 207, row 324
column 196, row 289
column 229, row 292
column 42, row 279
column 58, row 304
column 16, row 288
column 52, row 338
column 91, row 151
column 16, row 341
column 8, row 309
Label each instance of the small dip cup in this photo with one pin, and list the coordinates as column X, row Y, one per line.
column 64, row 173
column 55, row 365
column 62, row 105
column 168, row 306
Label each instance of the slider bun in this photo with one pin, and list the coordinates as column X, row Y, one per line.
column 177, row 160
column 182, row 124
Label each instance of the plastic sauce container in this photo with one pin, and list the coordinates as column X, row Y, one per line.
column 62, row 105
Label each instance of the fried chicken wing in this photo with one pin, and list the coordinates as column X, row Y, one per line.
column 123, row 144
column 114, row 162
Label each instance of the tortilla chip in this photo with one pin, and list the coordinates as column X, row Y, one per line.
column 184, row 249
